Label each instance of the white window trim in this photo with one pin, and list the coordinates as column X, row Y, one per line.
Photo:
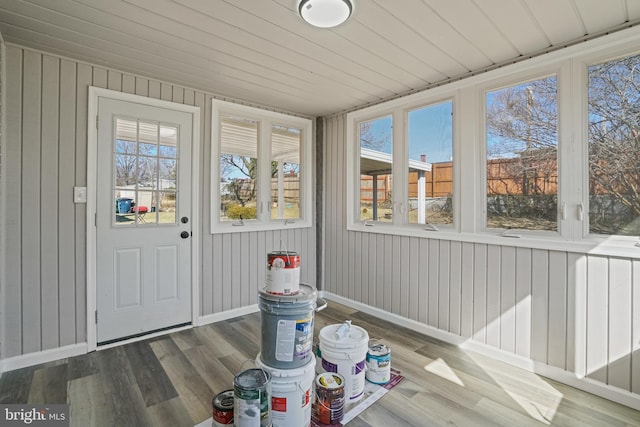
column 265, row 119
column 570, row 67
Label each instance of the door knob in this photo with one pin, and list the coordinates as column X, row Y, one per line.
column 184, row 234
column 184, row 220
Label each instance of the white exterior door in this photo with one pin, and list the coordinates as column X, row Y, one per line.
column 143, row 219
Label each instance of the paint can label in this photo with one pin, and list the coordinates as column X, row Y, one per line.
column 355, row 376
column 378, row 364
column 294, row 339
column 330, row 399
column 252, row 398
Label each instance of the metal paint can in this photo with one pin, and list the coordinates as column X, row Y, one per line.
column 378, row 364
column 283, row 273
column 223, row 407
column 330, row 399
column 252, row 398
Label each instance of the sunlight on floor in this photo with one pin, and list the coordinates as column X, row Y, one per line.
column 440, row 368
column 533, row 394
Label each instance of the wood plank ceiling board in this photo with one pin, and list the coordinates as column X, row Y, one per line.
column 516, row 23
column 435, row 36
column 472, row 24
column 324, row 46
column 558, row 19
column 598, row 15
column 261, row 52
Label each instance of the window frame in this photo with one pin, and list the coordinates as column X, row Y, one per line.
column 570, row 66
column 265, row 120
column 399, row 110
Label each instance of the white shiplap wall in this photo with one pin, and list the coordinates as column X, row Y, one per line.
column 46, row 156
column 575, row 312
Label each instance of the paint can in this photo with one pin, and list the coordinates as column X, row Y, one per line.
column 330, row 398
column 283, row 273
column 287, row 327
column 291, row 392
column 252, row 398
column 346, row 356
column 223, row 408
column 378, row 364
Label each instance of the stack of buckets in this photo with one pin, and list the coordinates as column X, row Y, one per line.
column 286, row 353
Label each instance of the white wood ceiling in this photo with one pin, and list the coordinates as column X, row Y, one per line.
column 261, row 52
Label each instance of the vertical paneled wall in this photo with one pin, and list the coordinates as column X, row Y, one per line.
column 46, row 156
column 576, row 312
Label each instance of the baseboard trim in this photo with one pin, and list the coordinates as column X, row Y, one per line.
column 36, row 358
column 614, row 394
column 228, row 314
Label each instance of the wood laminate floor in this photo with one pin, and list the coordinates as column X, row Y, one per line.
column 170, row 381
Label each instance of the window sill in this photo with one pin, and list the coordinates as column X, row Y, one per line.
column 248, row 225
column 606, row 246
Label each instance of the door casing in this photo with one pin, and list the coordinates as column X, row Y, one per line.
column 95, row 94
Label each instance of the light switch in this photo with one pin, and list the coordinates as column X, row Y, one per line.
column 79, row 194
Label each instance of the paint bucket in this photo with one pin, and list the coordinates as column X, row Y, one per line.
column 291, row 391
column 252, row 398
column 283, row 273
column 329, row 403
column 287, row 327
column 223, row 408
column 378, row 364
column 346, row 356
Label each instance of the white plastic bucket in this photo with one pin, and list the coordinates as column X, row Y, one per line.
column 346, row 355
column 291, row 394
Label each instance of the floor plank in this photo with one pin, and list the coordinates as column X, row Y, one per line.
column 170, row 381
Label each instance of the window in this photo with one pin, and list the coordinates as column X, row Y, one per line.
column 261, row 169
column 546, row 150
column 145, row 161
column 522, row 156
column 376, row 166
column 430, row 165
column 614, row 147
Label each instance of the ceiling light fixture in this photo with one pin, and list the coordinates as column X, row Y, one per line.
column 325, row 13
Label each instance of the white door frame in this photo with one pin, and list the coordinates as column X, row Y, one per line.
column 92, row 181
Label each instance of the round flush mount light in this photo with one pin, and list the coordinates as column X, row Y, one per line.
column 325, row 13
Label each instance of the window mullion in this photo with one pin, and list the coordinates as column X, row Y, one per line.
column 263, row 186
column 400, row 171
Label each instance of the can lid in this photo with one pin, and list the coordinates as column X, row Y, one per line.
column 252, row 378
column 223, row 401
column 330, row 380
column 379, row 350
column 305, row 294
column 355, row 336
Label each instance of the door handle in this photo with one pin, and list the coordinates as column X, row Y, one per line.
column 184, row 220
column 185, row 234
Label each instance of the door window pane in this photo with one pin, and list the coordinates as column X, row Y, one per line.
column 614, row 147
column 238, row 168
column 285, row 172
column 376, row 161
column 430, row 165
column 141, row 173
column 522, row 160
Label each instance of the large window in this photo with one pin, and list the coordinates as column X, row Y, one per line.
column 614, row 147
column 546, row 151
column 522, row 156
column 261, row 169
